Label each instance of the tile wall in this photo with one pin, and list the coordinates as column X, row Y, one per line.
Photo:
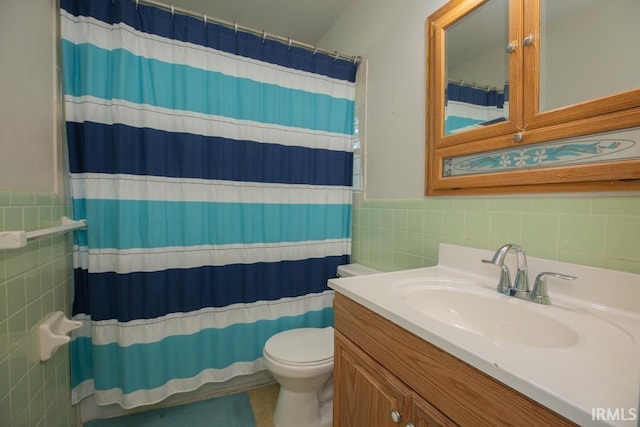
column 596, row 231
column 34, row 281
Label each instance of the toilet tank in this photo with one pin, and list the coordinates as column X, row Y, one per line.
column 349, row 270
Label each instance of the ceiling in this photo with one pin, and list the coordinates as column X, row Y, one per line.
column 301, row 20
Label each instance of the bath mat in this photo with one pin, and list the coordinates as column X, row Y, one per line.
column 227, row 411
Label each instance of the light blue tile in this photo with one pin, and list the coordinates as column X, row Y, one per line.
column 453, row 225
column 19, row 363
column 17, row 329
column 510, row 205
column 616, row 205
column 13, row 219
column 4, row 341
column 478, row 229
column 23, row 198
column 16, row 295
column 416, row 221
column 434, row 222
column 400, row 220
column 506, row 227
column 4, row 312
column 5, row 197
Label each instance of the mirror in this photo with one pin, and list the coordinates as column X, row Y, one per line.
column 572, row 34
column 477, row 69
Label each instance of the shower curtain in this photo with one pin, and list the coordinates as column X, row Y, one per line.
column 214, row 169
column 468, row 106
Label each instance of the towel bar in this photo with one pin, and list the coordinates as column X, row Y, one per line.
column 18, row 239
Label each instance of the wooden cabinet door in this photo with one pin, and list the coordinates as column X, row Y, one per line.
column 423, row 414
column 365, row 394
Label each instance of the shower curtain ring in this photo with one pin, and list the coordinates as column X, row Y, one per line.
column 336, row 57
column 315, row 50
column 173, row 10
column 205, row 19
column 235, row 27
column 264, row 35
column 137, row 2
column 289, row 43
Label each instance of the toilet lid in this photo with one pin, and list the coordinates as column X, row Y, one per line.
column 301, row 346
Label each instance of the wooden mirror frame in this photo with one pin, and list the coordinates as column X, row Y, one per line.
column 611, row 113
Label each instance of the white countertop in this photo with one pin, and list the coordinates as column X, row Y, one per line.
column 595, row 381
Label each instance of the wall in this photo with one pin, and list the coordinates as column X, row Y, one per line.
column 390, row 36
column 37, row 280
column 396, row 227
column 34, row 282
column 597, row 231
column 27, row 120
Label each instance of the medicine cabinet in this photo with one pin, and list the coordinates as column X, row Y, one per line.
column 533, row 96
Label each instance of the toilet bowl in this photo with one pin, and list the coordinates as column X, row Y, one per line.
column 301, row 360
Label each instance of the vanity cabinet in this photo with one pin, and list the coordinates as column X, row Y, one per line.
column 369, row 395
column 387, row 376
column 568, row 109
column 366, row 394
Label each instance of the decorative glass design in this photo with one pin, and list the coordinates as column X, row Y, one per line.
column 605, row 147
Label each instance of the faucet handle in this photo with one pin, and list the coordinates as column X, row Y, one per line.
column 504, row 284
column 521, row 282
column 539, row 292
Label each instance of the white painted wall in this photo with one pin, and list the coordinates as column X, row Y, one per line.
column 391, row 36
column 28, row 141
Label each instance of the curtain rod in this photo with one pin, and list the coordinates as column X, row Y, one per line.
column 262, row 33
column 474, row 85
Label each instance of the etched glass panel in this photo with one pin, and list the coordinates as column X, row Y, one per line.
column 605, row 147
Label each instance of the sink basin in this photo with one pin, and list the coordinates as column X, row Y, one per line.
column 487, row 314
column 554, row 354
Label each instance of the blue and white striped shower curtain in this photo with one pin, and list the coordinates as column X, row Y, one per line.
column 214, row 170
column 468, row 107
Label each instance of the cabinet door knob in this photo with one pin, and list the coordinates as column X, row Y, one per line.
column 517, row 137
column 395, row 416
column 511, row 48
column 409, row 425
column 528, row 41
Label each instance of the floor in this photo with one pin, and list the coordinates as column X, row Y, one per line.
column 263, row 401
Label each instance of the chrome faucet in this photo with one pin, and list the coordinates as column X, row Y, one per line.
column 521, row 282
column 539, row 293
column 520, row 288
column 520, row 285
column 504, row 284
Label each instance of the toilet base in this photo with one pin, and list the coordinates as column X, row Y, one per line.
column 326, row 414
column 297, row 409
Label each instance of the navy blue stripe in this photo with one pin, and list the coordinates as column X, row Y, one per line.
column 146, row 295
column 153, row 20
column 101, row 148
column 476, row 96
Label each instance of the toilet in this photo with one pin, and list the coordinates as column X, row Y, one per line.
column 301, row 361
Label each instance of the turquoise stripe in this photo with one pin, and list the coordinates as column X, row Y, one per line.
column 137, row 367
column 126, row 224
column 119, row 74
column 453, row 123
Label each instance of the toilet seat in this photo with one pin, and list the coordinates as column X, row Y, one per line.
column 301, row 347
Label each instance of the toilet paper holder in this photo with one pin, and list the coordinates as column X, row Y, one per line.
column 52, row 333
